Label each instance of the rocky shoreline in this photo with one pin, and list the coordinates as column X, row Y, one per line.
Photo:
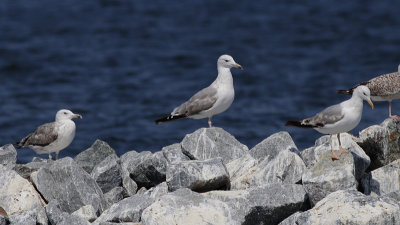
column 211, row 178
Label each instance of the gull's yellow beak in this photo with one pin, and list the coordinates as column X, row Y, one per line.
column 370, row 103
column 77, row 116
column 237, row 66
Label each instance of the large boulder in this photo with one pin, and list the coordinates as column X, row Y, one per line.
column 107, row 173
column 173, row 153
column 145, row 168
column 383, row 180
column 128, row 210
column 54, row 212
column 25, row 170
column 68, row 183
column 324, row 176
column 277, row 161
column 127, row 160
column 184, row 207
column 19, row 199
column 270, row 147
column 268, row 204
column 208, row 143
column 92, row 156
column 381, row 143
column 349, row 207
column 198, row 175
column 8, row 156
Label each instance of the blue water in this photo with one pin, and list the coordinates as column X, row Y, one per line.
column 122, row 64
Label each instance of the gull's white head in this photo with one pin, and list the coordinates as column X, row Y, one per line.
column 227, row 61
column 65, row 114
column 364, row 93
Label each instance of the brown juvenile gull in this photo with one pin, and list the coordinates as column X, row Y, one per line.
column 52, row 137
column 212, row 100
column 338, row 118
column 385, row 87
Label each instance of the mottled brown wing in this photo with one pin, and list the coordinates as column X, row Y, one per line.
column 329, row 115
column 43, row 136
column 385, row 85
column 201, row 101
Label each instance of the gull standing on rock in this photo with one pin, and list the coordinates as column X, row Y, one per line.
column 212, row 100
column 338, row 118
column 52, row 137
column 385, row 87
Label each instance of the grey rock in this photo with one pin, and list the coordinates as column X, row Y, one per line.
column 268, row 204
column 8, row 156
column 92, row 156
column 198, row 175
column 107, row 173
column 324, row 176
column 187, row 207
column 86, row 212
column 349, row 207
column 73, row 219
column 54, row 212
column 272, row 146
column 145, row 168
column 208, row 143
column 157, row 191
column 25, row 170
column 291, row 220
column 381, row 143
column 115, row 195
column 128, row 210
column 173, row 153
column 278, row 162
column 383, row 180
column 128, row 159
column 3, row 220
column 67, row 182
column 141, row 191
column 19, row 198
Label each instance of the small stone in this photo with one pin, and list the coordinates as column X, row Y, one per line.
column 107, row 173
column 208, row 143
column 128, row 210
column 173, row 153
column 198, row 175
column 92, row 156
column 86, row 212
column 73, row 187
column 8, row 156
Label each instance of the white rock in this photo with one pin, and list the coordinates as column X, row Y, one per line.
column 86, row 212
column 383, row 180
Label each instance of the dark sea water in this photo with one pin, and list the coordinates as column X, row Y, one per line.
column 122, row 64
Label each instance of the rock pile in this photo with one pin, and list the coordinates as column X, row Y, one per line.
column 211, row 178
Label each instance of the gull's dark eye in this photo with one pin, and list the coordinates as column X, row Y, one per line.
column 226, row 60
column 65, row 113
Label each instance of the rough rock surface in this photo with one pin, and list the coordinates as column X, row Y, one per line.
column 269, row 204
column 128, row 210
column 383, row 180
column 92, row 156
column 25, row 170
column 187, row 207
column 198, row 175
column 73, row 219
column 67, row 182
column 107, row 173
column 145, row 168
column 86, row 212
column 19, row 198
column 115, row 195
column 278, row 162
column 54, row 212
column 381, row 143
column 208, row 143
column 173, row 153
column 349, row 207
column 8, row 156
column 271, row 146
column 324, row 176
column 157, row 191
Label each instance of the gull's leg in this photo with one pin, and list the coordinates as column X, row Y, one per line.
column 50, row 156
column 394, row 117
column 56, row 155
column 341, row 149
column 209, row 121
column 333, row 155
